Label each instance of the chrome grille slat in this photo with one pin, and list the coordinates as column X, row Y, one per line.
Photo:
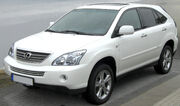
column 32, row 61
column 41, row 57
column 27, row 72
column 19, row 54
column 22, row 51
column 32, row 58
column 22, row 59
column 38, row 55
column 35, row 56
column 19, row 51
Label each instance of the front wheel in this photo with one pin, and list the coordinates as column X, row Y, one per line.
column 100, row 84
column 165, row 61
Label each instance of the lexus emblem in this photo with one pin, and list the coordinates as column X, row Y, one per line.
column 27, row 55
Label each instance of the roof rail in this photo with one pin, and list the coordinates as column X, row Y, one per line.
column 113, row 4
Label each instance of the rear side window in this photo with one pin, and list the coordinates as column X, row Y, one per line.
column 147, row 17
column 160, row 18
column 130, row 17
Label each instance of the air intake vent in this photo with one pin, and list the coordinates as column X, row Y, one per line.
column 27, row 72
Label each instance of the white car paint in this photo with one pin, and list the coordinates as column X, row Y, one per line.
column 129, row 51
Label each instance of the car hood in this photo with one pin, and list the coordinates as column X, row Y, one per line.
column 55, row 42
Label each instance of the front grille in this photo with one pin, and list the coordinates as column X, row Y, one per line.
column 27, row 72
column 29, row 56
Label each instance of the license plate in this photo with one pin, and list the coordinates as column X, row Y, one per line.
column 22, row 79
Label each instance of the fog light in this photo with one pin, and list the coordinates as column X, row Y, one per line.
column 63, row 78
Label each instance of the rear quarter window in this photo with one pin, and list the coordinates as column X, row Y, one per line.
column 160, row 18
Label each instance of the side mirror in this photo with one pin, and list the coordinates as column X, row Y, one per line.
column 51, row 23
column 126, row 30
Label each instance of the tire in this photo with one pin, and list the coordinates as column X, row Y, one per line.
column 30, row 87
column 101, row 81
column 165, row 62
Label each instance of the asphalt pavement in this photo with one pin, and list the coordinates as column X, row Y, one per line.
column 138, row 88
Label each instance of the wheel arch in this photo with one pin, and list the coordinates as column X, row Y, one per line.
column 170, row 43
column 109, row 60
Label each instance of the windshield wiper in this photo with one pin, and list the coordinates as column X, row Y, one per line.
column 49, row 30
column 76, row 32
column 68, row 31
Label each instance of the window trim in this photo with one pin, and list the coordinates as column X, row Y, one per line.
column 114, row 35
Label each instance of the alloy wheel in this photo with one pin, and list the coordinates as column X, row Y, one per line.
column 103, row 84
column 167, row 59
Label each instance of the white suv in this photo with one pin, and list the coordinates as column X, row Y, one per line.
column 88, row 48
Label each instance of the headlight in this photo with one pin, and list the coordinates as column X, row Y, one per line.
column 11, row 51
column 69, row 59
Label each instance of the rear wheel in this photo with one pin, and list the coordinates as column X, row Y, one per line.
column 100, row 84
column 165, row 61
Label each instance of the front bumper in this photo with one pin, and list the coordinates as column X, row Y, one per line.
column 76, row 76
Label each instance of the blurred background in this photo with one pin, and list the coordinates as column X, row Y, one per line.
column 21, row 18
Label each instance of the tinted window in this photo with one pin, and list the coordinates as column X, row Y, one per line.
column 86, row 21
column 156, row 18
column 147, row 17
column 130, row 17
column 159, row 17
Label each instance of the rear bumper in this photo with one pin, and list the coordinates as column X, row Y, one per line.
column 77, row 76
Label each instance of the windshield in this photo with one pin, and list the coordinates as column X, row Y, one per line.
column 85, row 22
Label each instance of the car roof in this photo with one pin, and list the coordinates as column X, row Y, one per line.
column 113, row 6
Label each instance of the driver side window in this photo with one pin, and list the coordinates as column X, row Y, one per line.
column 129, row 17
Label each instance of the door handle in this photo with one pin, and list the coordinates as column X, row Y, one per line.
column 164, row 29
column 144, row 35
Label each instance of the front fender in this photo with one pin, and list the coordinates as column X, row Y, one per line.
column 91, row 58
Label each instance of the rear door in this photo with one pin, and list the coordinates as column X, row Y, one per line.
column 153, row 32
column 162, row 26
